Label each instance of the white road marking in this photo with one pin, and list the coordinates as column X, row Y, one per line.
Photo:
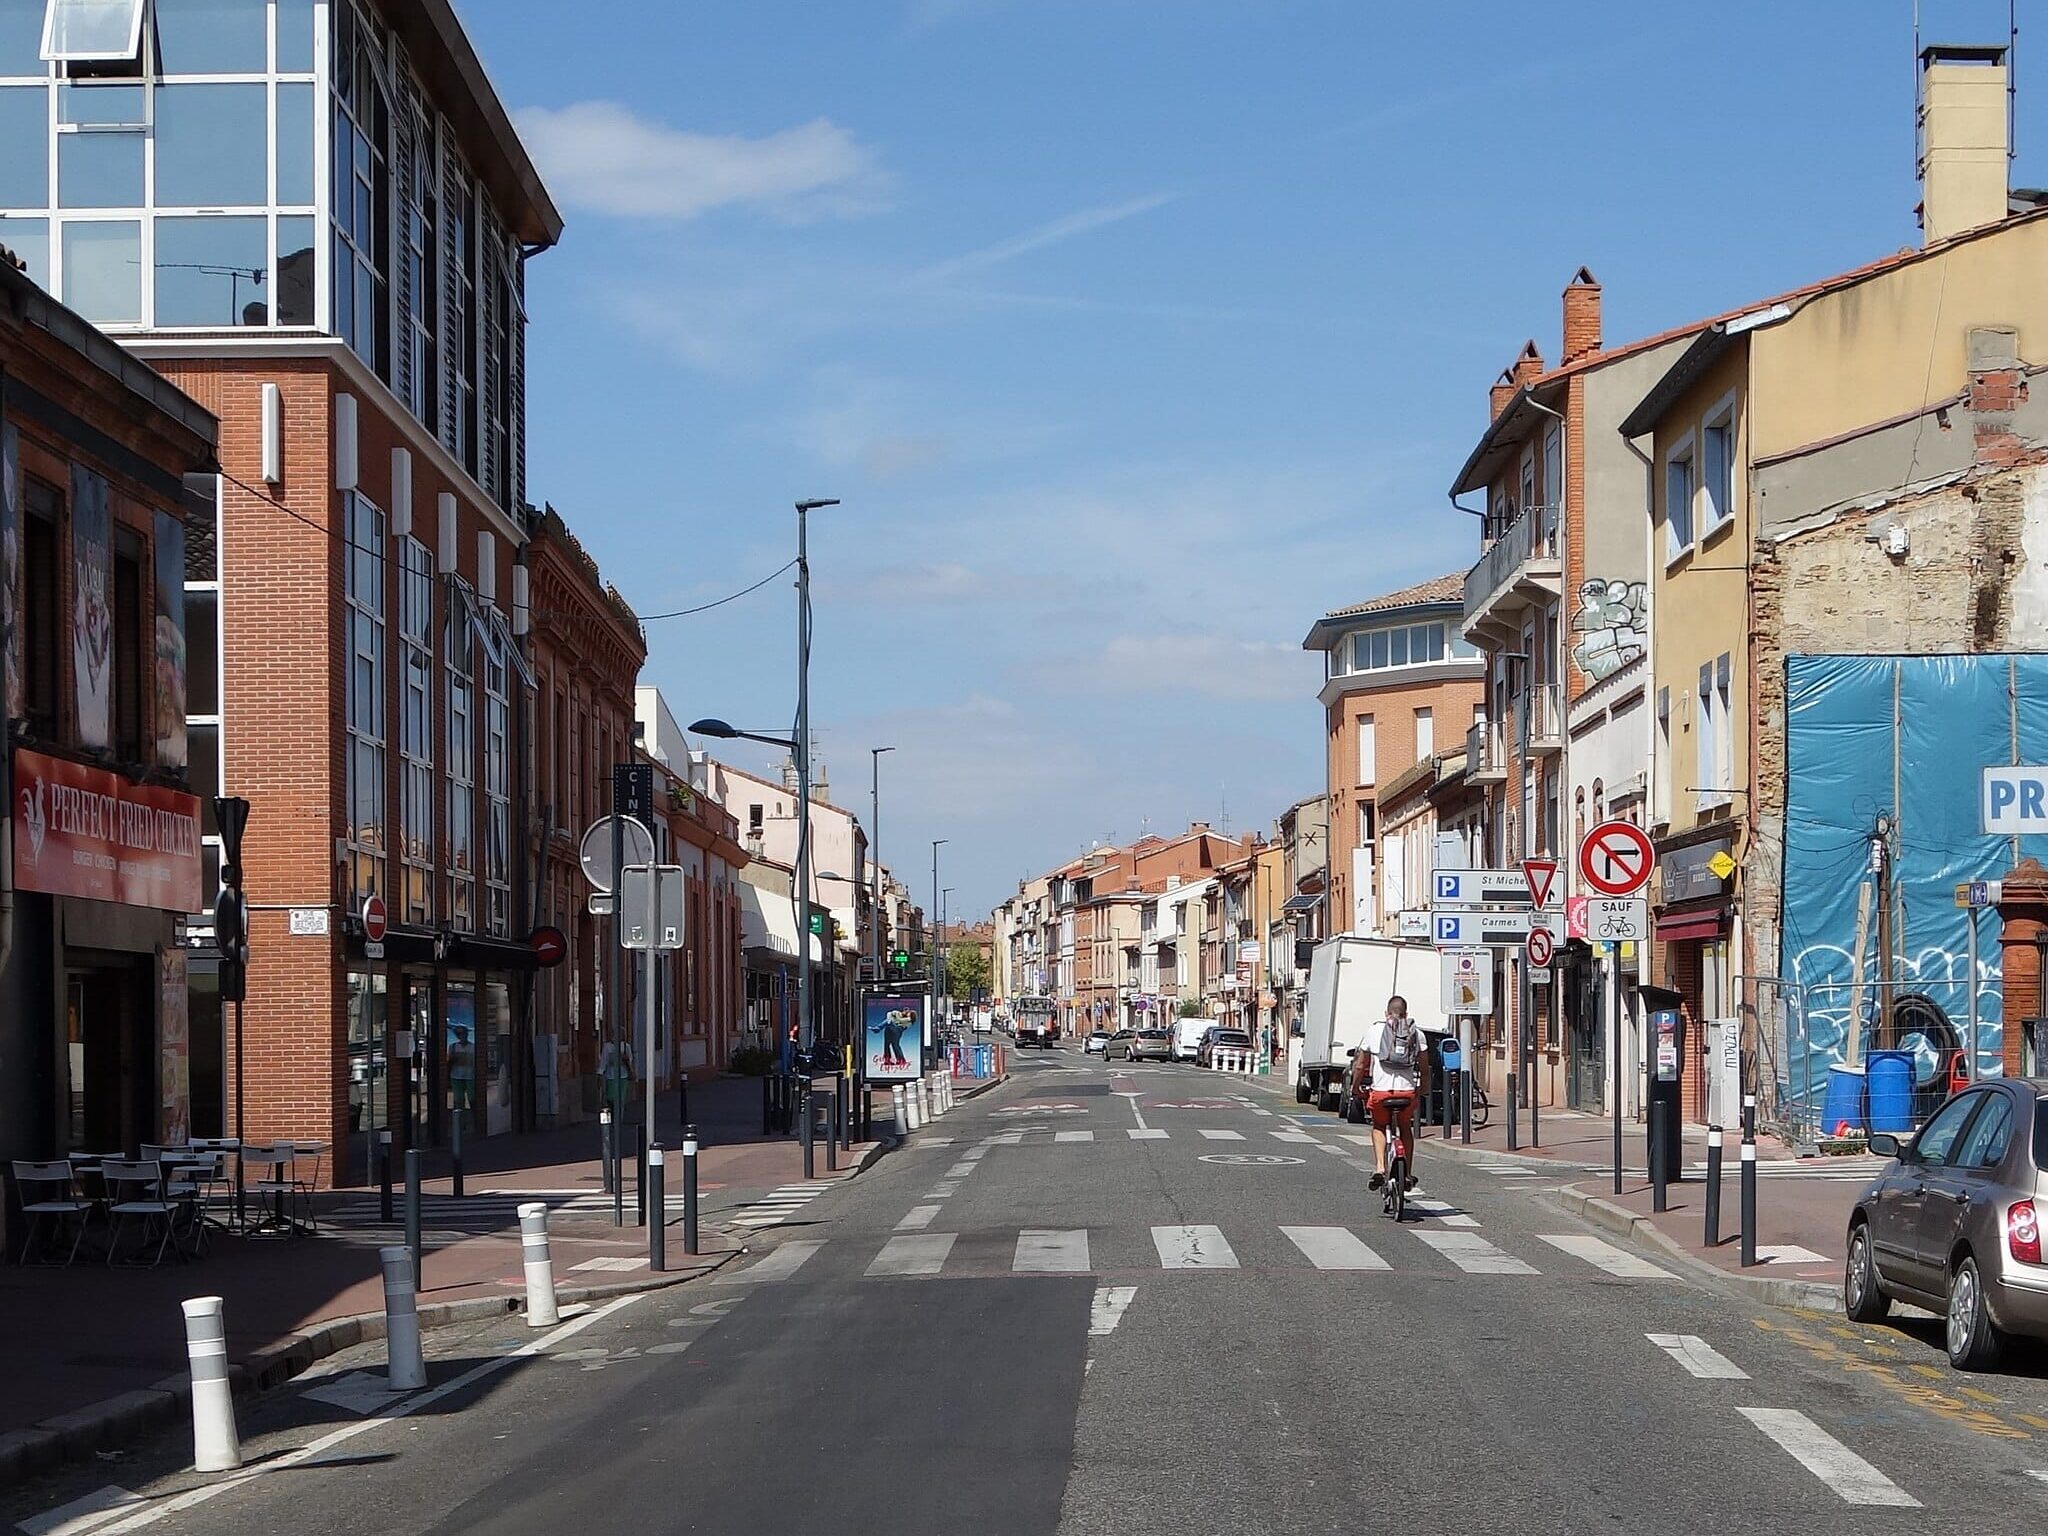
column 942, row 1192
column 315, row 1449
column 936, row 1141
column 1132, row 1096
column 1788, row 1253
column 1333, row 1248
column 1339, row 1151
column 974, row 1154
column 1698, row 1356
column 919, row 1217
column 1262, row 1112
column 1223, row 1135
column 1051, row 1253
column 1073, row 1136
column 1193, row 1248
column 1605, row 1257
column 1449, row 1215
column 1357, row 1138
column 84, row 1514
column 919, row 1255
column 1474, row 1254
column 611, row 1264
column 959, row 1170
column 1143, row 1134
column 778, row 1264
column 1108, row 1310
column 356, row 1392
column 1294, row 1136
column 1853, row 1478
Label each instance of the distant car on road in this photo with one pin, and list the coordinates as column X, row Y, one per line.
column 1954, row 1222
column 1097, row 1043
column 1187, row 1037
column 1218, row 1036
column 1149, row 1044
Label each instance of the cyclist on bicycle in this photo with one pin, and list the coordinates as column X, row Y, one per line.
column 1397, row 1059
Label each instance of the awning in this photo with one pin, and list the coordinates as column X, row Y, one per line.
column 1679, row 927
column 768, row 925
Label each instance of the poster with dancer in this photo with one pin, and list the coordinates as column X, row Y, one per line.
column 893, row 1042
column 92, row 612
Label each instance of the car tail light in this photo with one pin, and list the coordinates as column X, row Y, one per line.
column 2023, row 1233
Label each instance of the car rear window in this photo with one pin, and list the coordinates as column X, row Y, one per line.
column 2041, row 1134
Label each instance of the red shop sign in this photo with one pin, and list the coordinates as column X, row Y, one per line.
column 81, row 831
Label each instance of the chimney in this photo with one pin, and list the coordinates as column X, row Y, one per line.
column 1581, row 316
column 1964, row 139
column 1502, row 392
column 1528, row 366
column 789, row 774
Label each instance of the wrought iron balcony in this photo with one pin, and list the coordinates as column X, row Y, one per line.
column 1521, row 568
column 1485, row 761
column 1543, row 719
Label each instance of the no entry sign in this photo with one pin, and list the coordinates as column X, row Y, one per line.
column 1539, row 949
column 1616, row 858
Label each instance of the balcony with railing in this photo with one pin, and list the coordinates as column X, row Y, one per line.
column 1521, row 569
column 1543, row 719
column 1485, row 760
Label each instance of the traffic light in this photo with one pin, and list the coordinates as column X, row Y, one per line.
column 900, row 959
column 231, row 937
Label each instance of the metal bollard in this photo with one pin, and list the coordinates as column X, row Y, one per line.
column 412, row 1213
column 1659, row 1174
column 690, row 1190
column 767, row 1103
column 405, row 1365
column 1514, row 1140
column 1535, row 1096
column 384, row 1177
column 1748, row 1180
column 215, row 1445
column 657, row 1211
column 455, row 1153
column 809, row 1117
column 1714, row 1186
column 604, row 1135
column 683, row 1098
column 640, row 1175
column 540, row 1266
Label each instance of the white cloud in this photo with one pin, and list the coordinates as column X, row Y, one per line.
column 1199, row 665
column 601, row 156
column 1052, row 233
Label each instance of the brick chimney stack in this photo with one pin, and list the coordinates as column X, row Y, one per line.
column 1528, row 366
column 1581, row 316
column 1502, row 392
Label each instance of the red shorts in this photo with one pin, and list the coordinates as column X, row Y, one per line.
column 1379, row 1105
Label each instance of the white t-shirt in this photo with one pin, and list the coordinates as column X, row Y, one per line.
column 1379, row 1044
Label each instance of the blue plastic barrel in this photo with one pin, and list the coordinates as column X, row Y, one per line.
column 1891, row 1090
column 1844, row 1103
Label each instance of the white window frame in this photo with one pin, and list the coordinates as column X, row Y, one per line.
column 1721, row 417
column 1685, row 452
column 57, row 55
column 1662, row 781
column 1553, row 466
column 1365, row 737
column 1425, row 733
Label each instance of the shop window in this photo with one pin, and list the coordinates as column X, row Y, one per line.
column 130, row 680
column 41, row 607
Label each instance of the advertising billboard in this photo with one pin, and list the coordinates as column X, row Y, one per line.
column 892, row 1042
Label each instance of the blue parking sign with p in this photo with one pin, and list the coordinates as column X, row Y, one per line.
column 1446, row 887
column 1447, row 927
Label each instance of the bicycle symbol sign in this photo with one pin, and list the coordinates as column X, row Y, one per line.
column 1616, row 858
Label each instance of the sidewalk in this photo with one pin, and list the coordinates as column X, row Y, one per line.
column 93, row 1352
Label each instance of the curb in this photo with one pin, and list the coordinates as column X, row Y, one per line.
column 1605, row 1214
column 115, row 1421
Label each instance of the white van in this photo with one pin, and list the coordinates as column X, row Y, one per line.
column 1187, row 1036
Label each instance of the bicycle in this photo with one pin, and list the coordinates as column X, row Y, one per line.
column 1399, row 1157
column 1482, row 1107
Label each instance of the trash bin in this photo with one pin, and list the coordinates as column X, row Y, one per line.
column 1667, row 1056
column 1891, row 1090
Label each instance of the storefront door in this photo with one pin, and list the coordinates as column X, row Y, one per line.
column 110, row 1058
column 423, row 1066
column 368, row 1100
column 1586, row 1088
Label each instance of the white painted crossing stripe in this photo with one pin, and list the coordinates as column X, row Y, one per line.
column 921, row 1254
column 1449, row 1215
column 758, row 1221
column 1788, row 1253
column 611, row 1264
column 1474, row 1254
column 935, row 1141
column 918, row 1218
column 1853, row 1478
column 973, row 1154
column 943, row 1192
column 84, row 1514
column 1051, row 1253
column 1267, row 1112
column 1111, row 1301
column 1146, row 1135
column 1339, row 1151
column 779, row 1264
column 1356, row 1138
column 801, row 1189
column 1294, row 1136
column 1699, row 1357
column 1333, row 1248
column 1223, row 1135
column 1073, row 1136
column 1605, row 1257
column 1193, row 1248
column 959, row 1170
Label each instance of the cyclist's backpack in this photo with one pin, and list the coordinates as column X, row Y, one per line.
column 1400, row 1055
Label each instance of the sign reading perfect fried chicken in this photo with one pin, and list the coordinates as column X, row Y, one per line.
column 82, row 831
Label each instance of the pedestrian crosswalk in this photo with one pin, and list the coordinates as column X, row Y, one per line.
column 486, row 1210
column 776, row 1207
column 1046, row 1135
column 1365, row 1248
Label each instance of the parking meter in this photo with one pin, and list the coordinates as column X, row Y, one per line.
column 1667, row 1055
column 1451, row 1059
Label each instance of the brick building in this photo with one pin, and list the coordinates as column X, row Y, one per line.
column 103, row 852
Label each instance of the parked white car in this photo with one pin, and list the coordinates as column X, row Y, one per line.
column 1187, row 1037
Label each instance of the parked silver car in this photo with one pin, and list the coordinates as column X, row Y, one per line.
column 1954, row 1222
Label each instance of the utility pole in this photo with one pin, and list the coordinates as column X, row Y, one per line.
column 804, row 1025
column 875, row 846
column 1881, row 867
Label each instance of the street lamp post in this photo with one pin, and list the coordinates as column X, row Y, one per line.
column 875, row 846
column 939, row 951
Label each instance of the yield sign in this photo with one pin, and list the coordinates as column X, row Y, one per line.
column 1540, row 873
column 1616, row 858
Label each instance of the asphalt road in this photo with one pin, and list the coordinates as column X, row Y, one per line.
column 1137, row 1301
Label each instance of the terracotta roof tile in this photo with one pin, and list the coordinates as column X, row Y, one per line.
column 1438, row 589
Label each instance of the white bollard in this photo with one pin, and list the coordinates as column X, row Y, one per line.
column 215, row 1445
column 912, row 1120
column 405, row 1365
column 897, row 1107
column 540, row 1266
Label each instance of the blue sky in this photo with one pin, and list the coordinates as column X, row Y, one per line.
column 1133, row 335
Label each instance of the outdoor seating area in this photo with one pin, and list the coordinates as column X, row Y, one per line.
column 165, row 1202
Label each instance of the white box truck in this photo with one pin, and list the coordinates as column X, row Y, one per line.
column 1350, row 979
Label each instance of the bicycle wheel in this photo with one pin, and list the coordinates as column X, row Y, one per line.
column 1397, row 1185
column 1482, row 1109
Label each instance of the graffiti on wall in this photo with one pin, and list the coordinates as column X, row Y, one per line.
column 1611, row 626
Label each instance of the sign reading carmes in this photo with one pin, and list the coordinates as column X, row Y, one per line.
column 82, row 831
